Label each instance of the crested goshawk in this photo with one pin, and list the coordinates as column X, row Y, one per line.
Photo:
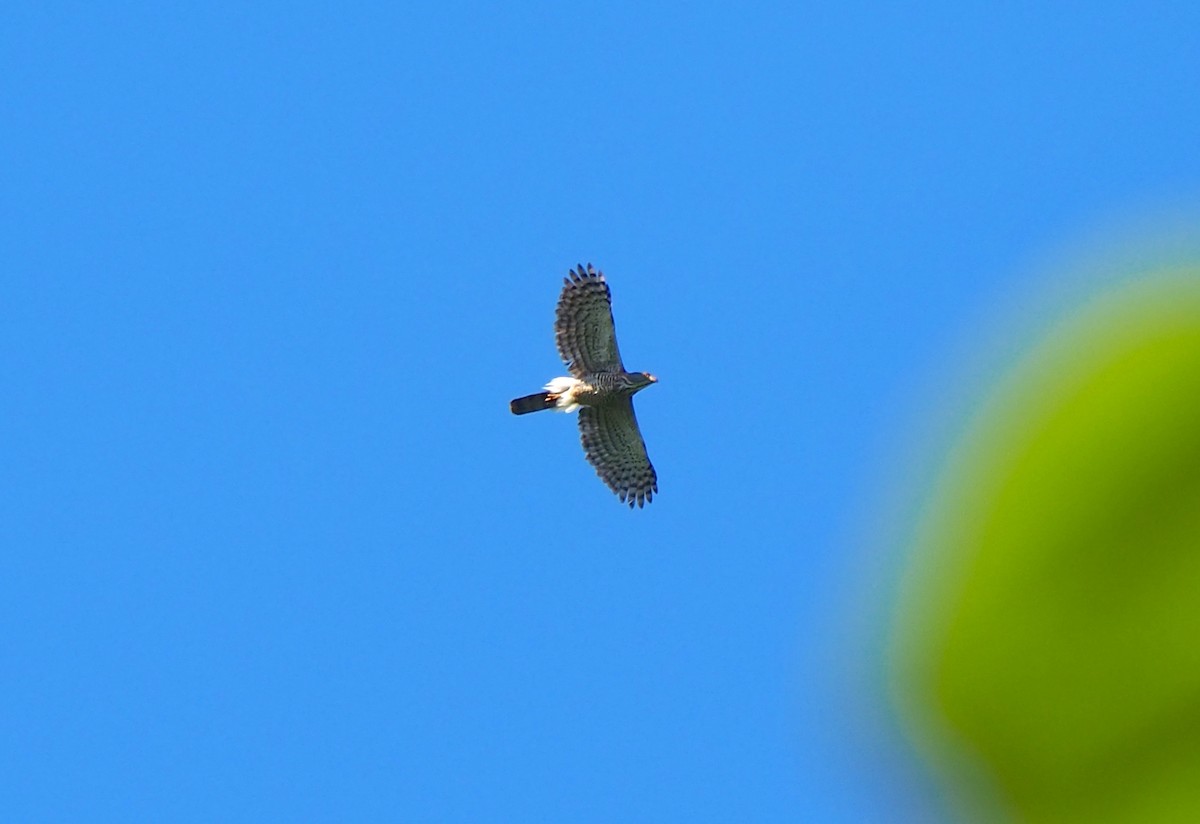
column 599, row 387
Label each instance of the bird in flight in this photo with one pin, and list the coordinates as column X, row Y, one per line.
column 599, row 387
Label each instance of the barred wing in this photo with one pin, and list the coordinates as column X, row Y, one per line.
column 614, row 446
column 583, row 324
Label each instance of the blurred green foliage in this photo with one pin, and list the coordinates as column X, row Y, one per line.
column 1048, row 651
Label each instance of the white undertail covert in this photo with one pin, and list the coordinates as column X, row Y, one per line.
column 566, row 399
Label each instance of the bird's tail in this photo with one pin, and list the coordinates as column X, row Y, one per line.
column 533, row 403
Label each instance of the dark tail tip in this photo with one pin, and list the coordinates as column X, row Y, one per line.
column 531, row 403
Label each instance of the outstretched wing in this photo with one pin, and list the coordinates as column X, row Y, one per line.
column 614, row 446
column 583, row 324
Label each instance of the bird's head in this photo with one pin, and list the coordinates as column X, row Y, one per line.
column 642, row 379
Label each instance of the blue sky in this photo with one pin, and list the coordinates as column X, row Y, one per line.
column 274, row 547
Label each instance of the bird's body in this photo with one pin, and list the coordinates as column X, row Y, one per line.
column 568, row 394
column 599, row 387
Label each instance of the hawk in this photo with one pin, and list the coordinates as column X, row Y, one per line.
column 599, row 387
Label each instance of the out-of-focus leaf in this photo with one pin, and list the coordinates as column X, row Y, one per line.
column 1050, row 636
